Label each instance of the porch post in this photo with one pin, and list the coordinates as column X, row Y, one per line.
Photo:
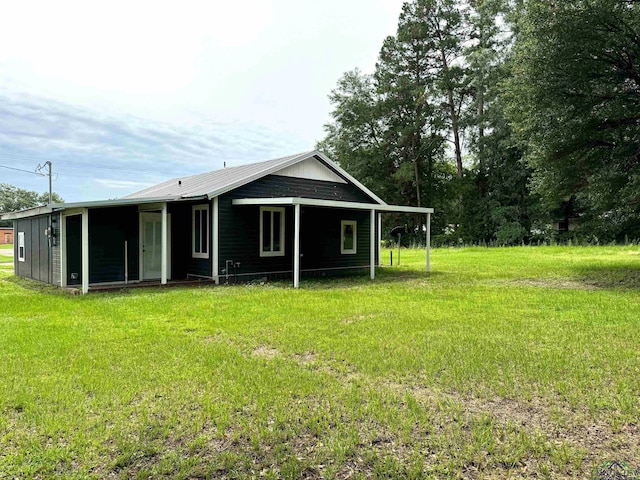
column 296, row 245
column 379, row 238
column 215, row 264
column 372, row 259
column 85, row 250
column 428, row 242
column 164, row 236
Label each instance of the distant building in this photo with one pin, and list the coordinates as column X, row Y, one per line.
column 6, row 236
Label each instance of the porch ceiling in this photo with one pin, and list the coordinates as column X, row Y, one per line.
column 312, row 202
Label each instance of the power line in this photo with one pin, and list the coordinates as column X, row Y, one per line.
column 83, row 165
column 19, row 169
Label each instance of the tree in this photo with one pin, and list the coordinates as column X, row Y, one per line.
column 574, row 101
column 13, row 199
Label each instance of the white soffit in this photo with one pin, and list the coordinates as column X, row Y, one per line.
column 310, row 169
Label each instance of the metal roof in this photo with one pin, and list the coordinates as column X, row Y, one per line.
column 218, row 182
column 55, row 207
column 204, row 185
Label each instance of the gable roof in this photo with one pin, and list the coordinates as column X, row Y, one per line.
column 218, row 182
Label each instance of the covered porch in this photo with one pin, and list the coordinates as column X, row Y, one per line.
column 320, row 239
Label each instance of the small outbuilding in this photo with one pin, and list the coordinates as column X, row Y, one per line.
column 284, row 218
column 6, row 236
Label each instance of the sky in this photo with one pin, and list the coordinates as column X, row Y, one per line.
column 121, row 95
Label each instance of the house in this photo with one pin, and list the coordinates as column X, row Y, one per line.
column 6, row 236
column 284, row 218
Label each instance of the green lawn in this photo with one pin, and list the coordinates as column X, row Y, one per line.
column 514, row 362
column 6, row 246
column 6, row 259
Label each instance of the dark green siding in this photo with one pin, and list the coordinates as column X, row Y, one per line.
column 182, row 262
column 73, row 245
column 239, row 229
column 320, row 238
column 109, row 229
column 320, row 228
column 279, row 186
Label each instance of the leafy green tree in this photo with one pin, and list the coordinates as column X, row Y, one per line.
column 13, row 199
column 574, row 101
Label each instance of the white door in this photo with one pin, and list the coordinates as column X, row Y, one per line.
column 151, row 246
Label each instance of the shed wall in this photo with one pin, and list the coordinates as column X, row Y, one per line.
column 37, row 254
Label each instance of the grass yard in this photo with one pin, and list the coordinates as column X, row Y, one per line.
column 6, row 261
column 503, row 363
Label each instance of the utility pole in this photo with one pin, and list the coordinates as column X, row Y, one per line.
column 49, row 174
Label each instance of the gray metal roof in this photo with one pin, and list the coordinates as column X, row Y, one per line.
column 204, row 185
column 211, row 182
column 217, row 182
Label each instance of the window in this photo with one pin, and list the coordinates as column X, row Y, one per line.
column 200, row 247
column 349, row 236
column 21, row 246
column 271, row 231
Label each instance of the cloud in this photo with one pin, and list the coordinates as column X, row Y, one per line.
column 125, row 184
column 107, row 150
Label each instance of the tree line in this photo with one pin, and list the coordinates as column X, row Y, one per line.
column 13, row 199
column 517, row 120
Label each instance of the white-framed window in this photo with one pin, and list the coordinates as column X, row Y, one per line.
column 271, row 231
column 349, row 236
column 21, row 253
column 200, row 231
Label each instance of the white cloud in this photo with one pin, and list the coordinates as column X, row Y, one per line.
column 166, row 86
column 122, row 184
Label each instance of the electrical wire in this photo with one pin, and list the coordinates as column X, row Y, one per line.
column 19, row 170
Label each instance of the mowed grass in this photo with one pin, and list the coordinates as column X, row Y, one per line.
column 502, row 363
column 6, row 261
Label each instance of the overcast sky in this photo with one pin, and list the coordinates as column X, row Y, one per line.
column 120, row 95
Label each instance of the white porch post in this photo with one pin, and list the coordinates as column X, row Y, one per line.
column 428, row 242
column 215, row 264
column 379, row 238
column 85, row 250
column 296, row 245
column 372, row 259
column 164, row 227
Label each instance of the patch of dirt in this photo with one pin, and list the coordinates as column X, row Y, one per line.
column 307, row 358
column 597, row 439
column 264, row 351
column 556, row 283
column 360, row 318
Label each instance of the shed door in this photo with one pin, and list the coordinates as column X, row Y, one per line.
column 151, row 245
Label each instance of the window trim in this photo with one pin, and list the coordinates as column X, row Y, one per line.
column 272, row 253
column 349, row 251
column 21, row 258
column 203, row 208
